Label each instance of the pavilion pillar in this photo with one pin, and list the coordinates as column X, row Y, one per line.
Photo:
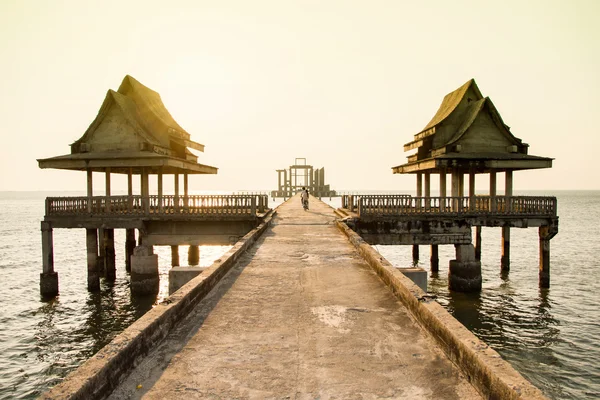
column 285, row 184
column 508, row 189
column 175, row 256
column 279, row 179
column 145, row 186
column 472, row 190
column 443, row 205
column 544, row 257
column 48, row 277
column 130, row 189
column 455, row 191
column 176, row 189
column 194, row 255
column 464, row 274
column 159, row 178
column 107, row 181
column 461, row 184
column 90, row 190
column 129, row 246
column 110, row 272
column 91, row 244
column 493, row 200
column 310, row 180
column 415, row 249
column 185, row 191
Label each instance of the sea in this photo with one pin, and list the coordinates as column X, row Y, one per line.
column 551, row 336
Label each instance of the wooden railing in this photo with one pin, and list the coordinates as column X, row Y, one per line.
column 157, row 205
column 373, row 206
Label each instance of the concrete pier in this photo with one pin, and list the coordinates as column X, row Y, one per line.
column 110, row 271
column 505, row 259
column 174, row 256
column 435, row 258
column 129, row 246
column 48, row 277
column 93, row 275
column 465, row 271
column 415, row 254
column 194, row 255
column 301, row 316
column 545, row 236
column 144, row 271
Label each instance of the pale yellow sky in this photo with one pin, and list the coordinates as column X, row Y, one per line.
column 342, row 83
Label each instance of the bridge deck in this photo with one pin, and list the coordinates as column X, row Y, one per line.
column 301, row 315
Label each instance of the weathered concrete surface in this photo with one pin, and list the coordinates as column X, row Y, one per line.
column 179, row 276
column 301, row 315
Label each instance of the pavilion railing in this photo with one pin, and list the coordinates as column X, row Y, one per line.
column 374, row 206
column 154, row 205
column 351, row 201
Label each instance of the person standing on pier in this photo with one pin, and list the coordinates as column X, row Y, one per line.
column 304, row 198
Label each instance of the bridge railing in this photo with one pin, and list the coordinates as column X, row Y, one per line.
column 351, row 201
column 374, row 206
column 155, row 205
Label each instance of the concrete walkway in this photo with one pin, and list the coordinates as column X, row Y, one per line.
column 301, row 316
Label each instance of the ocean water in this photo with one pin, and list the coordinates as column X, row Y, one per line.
column 550, row 336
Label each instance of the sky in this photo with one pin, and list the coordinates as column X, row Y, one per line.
column 344, row 84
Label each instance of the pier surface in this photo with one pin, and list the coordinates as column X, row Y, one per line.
column 301, row 315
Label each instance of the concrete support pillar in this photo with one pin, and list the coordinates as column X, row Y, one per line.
column 90, row 190
column 48, row 277
column 435, row 259
column 93, row 274
column 129, row 246
column 101, row 251
column 110, row 272
column 505, row 260
column 494, row 202
column 544, row 257
column 194, row 255
column 144, row 271
column 478, row 243
column 461, row 184
column 415, row 254
column 419, row 184
column 464, row 274
column 427, row 184
column 175, row 256
column 455, row 191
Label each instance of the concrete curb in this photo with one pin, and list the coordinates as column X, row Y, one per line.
column 98, row 376
column 492, row 376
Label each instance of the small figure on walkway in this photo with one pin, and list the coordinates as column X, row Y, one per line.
column 304, row 198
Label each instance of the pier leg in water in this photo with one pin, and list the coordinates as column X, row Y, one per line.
column 144, row 271
column 48, row 278
column 478, row 243
column 129, row 246
column 415, row 254
column 101, row 252
column 465, row 272
column 194, row 255
column 435, row 259
column 110, row 272
column 544, row 257
column 91, row 244
column 505, row 260
column 174, row 256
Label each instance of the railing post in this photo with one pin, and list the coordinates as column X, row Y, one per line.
column 253, row 205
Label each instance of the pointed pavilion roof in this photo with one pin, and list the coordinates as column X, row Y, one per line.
column 133, row 129
column 467, row 132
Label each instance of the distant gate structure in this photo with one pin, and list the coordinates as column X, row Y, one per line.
column 292, row 180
